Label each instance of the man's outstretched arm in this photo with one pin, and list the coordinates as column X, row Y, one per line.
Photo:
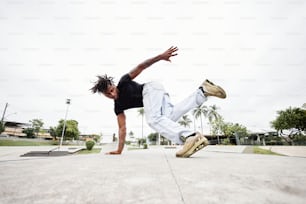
column 164, row 56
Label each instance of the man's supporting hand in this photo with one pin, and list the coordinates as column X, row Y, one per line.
column 114, row 152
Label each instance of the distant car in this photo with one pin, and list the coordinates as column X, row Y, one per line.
column 4, row 135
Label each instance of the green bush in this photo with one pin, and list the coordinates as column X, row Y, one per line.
column 141, row 141
column 299, row 139
column 145, row 146
column 226, row 141
column 90, row 144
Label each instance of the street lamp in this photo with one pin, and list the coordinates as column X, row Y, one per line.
column 63, row 131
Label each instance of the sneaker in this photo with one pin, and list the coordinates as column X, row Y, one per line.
column 192, row 145
column 210, row 89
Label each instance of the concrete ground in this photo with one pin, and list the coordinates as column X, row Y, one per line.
column 216, row 174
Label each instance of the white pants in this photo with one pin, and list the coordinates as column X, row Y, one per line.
column 161, row 115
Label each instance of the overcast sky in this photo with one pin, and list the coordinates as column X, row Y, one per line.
column 51, row 50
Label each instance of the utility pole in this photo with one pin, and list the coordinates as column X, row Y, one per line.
column 4, row 112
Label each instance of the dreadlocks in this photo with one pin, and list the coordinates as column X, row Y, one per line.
column 102, row 83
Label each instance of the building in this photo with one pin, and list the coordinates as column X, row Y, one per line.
column 15, row 129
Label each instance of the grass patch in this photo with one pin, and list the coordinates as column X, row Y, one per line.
column 26, row 143
column 93, row 151
column 257, row 150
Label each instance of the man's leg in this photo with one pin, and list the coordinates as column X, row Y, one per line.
column 161, row 114
column 156, row 107
column 198, row 141
column 193, row 101
column 196, row 99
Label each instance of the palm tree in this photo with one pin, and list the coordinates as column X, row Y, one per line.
column 141, row 112
column 217, row 127
column 198, row 112
column 185, row 121
column 212, row 113
column 213, row 117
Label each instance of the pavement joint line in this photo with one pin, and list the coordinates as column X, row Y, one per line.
column 176, row 182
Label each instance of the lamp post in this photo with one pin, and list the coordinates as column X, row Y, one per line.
column 63, row 131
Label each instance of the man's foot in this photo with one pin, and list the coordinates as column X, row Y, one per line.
column 192, row 145
column 210, row 89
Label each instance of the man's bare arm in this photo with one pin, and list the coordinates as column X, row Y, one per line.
column 164, row 56
column 122, row 134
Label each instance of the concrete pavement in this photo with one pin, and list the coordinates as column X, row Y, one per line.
column 217, row 174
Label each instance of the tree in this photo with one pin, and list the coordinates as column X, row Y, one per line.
column 141, row 141
column 198, row 112
column 71, row 129
column 153, row 137
column 141, row 112
column 52, row 131
column 212, row 115
column 2, row 127
column 291, row 119
column 185, row 121
column 216, row 127
column 96, row 137
column 30, row 132
column 36, row 125
column 230, row 129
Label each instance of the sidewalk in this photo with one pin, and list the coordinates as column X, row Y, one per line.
column 217, row 174
column 293, row 151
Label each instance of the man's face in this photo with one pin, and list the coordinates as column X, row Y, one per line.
column 111, row 92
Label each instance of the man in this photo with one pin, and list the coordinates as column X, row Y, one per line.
column 160, row 114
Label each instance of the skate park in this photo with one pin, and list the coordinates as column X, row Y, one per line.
column 52, row 50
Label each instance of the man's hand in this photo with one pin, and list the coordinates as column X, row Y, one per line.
column 169, row 53
column 114, row 152
column 164, row 56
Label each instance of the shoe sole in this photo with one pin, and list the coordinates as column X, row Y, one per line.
column 215, row 90
column 196, row 147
